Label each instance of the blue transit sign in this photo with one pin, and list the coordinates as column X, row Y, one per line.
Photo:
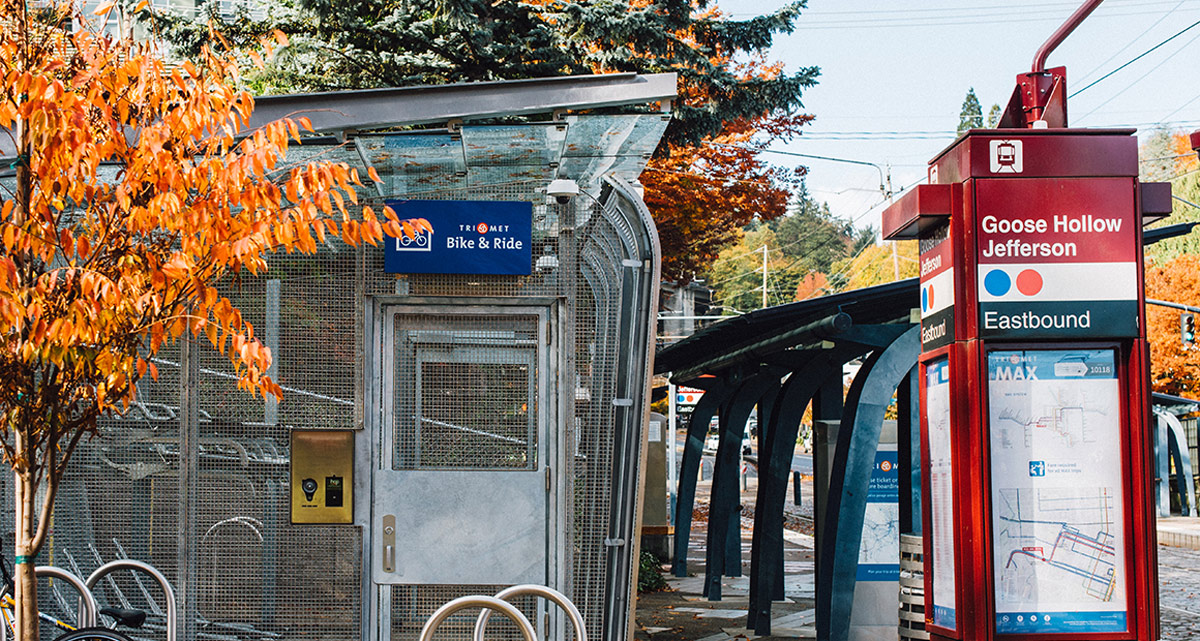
column 879, row 550
column 468, row 237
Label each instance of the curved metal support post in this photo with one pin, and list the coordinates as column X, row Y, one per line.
column 549, row 594
column 478, row 601
column 689, row 469
column 858, row 439
column 724, row 548
column 1177, row 448
column 88, row 609
column 145, row 568
column 774, row 467
column 1181, row 478
column 1162, row 464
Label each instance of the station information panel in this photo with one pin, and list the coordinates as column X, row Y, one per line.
column 1035, row 478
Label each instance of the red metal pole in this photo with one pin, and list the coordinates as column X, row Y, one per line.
column 1039, row 59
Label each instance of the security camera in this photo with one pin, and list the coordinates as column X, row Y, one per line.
column 562, row 190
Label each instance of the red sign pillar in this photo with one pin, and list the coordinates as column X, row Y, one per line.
column 1036, row 473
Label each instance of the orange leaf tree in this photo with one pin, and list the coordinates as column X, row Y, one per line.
column 1174, row 367
column 1172, row 265
column 136, row 191
column 702, row 195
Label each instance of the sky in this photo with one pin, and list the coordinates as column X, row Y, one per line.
column 894, row 76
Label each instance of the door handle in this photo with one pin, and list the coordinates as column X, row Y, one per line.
column 389, row 543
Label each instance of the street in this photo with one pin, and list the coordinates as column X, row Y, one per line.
column 801, row 462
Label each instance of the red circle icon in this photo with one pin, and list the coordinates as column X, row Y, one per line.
column 1029, row 282
column 481, row 228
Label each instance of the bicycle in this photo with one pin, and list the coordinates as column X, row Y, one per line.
column 120, row 616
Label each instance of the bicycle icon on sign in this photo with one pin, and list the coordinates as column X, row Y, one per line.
column 422, row 242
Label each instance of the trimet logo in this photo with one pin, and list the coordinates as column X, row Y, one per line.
column 421, row 242
column 1006, row 157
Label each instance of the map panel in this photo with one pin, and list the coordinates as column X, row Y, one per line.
column 1057, row 521
column 941, row 491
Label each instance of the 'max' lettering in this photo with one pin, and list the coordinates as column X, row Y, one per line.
column 1018, row 373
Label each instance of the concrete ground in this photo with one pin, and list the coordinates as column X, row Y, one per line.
column 681, row 613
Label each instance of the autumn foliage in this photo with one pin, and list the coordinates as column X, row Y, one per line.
column 701, row 195
column 1175, row 367
column 137, row 190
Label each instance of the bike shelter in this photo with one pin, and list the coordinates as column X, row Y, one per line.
column 441, row 434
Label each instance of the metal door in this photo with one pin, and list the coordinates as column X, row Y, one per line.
column 463, row 489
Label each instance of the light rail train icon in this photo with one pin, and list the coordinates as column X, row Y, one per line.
column 1006, row 156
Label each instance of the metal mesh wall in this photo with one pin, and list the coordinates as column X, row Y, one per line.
column 257, row 576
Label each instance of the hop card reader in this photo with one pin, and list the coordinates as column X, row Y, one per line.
column 322, row 476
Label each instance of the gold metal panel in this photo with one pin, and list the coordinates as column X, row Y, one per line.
column 322, row 476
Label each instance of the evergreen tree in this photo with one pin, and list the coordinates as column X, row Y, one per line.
column 971, row 116
column 994, row 116
column 358, row 44
column 811, row 235
column 700, row 195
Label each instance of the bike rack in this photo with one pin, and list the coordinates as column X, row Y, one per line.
column 538, row 590
column 478, row 601
column 88, row 610
column 137, row 566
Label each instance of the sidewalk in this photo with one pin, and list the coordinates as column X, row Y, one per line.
column 1179, row 532
column 683, row 614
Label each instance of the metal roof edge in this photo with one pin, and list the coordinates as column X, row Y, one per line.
column 393, row 107
column 769, row 316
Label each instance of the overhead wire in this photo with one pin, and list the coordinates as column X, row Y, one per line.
column 924, row 22
column 1144, row 75
column 1129, row 44
column 852, row 222
column 1182, row 107
column 1135, row 59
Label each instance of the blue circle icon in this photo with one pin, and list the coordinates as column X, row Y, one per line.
column 924, row 299
column 997, row 282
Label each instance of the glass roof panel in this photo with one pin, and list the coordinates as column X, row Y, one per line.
column 532, row 144
column 620, row 135
column 587, row 170
column 411, row 164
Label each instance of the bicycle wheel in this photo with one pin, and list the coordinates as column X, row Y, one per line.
column 93, row 634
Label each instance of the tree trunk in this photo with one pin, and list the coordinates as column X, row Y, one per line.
column 24, row 578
